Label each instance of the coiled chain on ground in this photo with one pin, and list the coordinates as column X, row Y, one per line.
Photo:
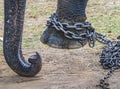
column 109, row 57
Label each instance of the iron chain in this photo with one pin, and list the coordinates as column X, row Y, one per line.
column 110, row 59
column 110, row 56
column 64, row 27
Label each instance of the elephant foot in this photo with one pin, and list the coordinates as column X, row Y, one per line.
column 56, row 39
column 118, row 37
column 71, row 12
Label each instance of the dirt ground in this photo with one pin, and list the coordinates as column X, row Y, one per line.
column 62, row 69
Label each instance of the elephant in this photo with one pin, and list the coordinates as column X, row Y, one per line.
column 13, row 27
column 70, row 11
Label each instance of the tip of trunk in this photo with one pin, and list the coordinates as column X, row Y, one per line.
column 26, row 69
column 35, row 65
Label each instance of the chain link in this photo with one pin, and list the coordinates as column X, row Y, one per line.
column 110, row 56
column 110, row 59
column 102, row 39
column 64, row 27
column 103, row 84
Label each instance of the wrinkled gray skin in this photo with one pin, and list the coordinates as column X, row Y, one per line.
column 13, row 27
column 67, row 11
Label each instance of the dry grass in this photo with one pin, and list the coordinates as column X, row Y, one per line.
column 62, row 69
column 103, row 14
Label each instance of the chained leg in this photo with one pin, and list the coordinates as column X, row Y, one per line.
column 68, row 11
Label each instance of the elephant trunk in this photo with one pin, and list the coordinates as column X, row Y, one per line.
column 13, row 28
column 71, row 10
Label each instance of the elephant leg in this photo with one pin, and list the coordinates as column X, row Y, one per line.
column 13, row 27
column 68, row 11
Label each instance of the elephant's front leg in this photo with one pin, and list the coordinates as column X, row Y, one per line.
column 68, row 11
